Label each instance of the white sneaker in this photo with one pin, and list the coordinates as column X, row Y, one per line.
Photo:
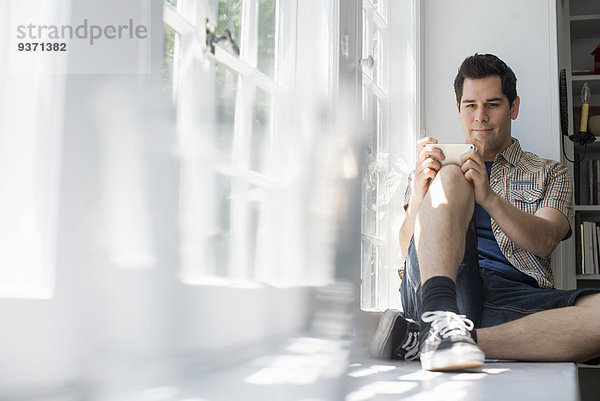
column 448, row 345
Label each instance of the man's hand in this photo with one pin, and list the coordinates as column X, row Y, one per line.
column 427, row 167
column 428, row 164
column 474, row 170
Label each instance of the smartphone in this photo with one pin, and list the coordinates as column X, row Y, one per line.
column 452, row 151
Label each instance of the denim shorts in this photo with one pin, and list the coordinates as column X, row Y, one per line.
column 485, row 296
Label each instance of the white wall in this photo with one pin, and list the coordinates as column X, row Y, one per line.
column 523, row 34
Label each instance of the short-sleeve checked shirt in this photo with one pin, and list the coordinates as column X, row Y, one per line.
column 529, row 183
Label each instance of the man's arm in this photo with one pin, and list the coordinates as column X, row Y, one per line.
column 407, row 229
column 427, row 166
column 537, row 233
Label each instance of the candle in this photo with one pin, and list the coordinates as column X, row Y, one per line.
column 585, row 107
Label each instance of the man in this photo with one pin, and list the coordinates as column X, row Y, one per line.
column 478, row 237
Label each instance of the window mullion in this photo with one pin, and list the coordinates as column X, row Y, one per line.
column 240, row 223
column 238, row 267
column 378, row 20
column 249, row 38
column 178, row 22
column 379, row 92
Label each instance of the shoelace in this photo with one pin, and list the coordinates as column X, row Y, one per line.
column 411, row 346
column 448, row 323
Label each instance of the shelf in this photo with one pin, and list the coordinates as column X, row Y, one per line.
column 581, row 34
column 593, row 147
column 585, row 26
column 587, row 208
column 583, row 7
column 588, row 277
column 584, row 366
column 585, row 78
column 584, row 17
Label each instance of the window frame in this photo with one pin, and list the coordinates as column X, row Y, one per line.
column 392, row 156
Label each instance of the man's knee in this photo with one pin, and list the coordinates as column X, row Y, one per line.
column 451, row 184
column 590, row 300
column 451, row 174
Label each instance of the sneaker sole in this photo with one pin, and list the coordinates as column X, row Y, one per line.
column 382, row 335
column 459, row 357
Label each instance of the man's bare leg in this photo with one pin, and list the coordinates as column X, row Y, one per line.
column 442, row 223
column 440, row 232
column 564, row 334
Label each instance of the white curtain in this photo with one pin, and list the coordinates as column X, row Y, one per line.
column 31, row 119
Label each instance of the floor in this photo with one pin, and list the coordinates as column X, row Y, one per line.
column 319, row 369
column 497, row 380
column 316, row 369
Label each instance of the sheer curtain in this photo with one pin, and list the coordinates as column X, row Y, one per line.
column 31, row 119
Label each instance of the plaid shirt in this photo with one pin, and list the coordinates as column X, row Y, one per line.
column 529, row 183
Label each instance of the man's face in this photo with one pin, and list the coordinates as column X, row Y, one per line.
column 485, row 114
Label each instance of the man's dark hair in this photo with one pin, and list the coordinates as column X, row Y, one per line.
column 482, row 66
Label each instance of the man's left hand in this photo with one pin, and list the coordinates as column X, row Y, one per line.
column 475, row 172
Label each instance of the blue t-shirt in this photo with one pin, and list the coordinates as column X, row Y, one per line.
column 490, row 255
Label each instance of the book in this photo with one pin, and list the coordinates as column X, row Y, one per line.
column 594, row 264
column 591, row 180
column 578, row 245
column 588, row 266
column 597, row 270
column 597, row 182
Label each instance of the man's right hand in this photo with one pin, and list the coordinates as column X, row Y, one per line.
column 428, row 164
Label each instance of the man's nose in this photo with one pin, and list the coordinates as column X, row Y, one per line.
column 481, row 115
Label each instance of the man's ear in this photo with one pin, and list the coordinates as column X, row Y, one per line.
column 458, row 107
column 514, row 108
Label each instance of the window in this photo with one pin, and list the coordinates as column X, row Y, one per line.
column 242, row 211
column 375, row 110
column 391, row 141
column 239, row 139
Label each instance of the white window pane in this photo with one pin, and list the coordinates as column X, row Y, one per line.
column 261, row 131
column 254, row 215
column 370, row 265
column 169, row 47
column 246, row 201
column 367, row 96
column 226, row 90
column 218, row 242
column 380, row 118
column 366, row 50
column 229, row 18
column 377, row 56
column 266, row 36
column 169, row 63
column 369, row 202
column 171, row 2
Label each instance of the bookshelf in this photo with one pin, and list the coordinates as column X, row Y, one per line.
column 588, row 277
column 579, row 34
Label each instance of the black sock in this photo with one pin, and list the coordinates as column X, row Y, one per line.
column 439, row 294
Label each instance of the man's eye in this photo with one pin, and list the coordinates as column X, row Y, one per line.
column 493, row 104
column 470, row 105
